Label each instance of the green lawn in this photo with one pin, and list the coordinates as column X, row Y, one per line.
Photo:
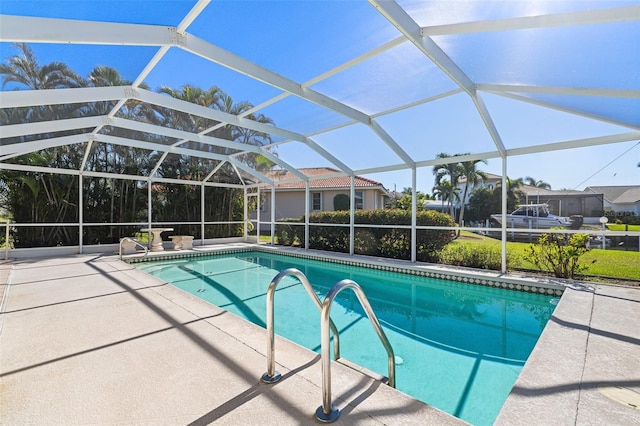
column 603, row 263
column 621, row 227
column 142, row 237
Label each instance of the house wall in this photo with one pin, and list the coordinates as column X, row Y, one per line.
column 291, row 203
column 624, row 207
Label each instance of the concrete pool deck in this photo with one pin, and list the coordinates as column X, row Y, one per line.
column 88, row 339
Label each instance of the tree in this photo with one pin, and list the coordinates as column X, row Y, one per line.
column 405, row 201
column 536, row 183
column 38, row 197
column 447, row 172
column 472, row 176
column 482, row 204
column 484, row 201
column 48, row 194
column 227, row 200
column 447, row 192
column 514, row 194
column 25, row 70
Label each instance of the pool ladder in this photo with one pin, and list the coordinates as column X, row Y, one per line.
column 327, row 412
column 146, row 249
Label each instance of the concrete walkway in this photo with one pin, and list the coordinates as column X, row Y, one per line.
column 585, row 368
column 88, row 339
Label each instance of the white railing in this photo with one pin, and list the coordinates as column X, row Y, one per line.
column 146, row 249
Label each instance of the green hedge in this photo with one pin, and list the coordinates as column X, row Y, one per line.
column 386, row 242
column 289, row 235
column 477, row 256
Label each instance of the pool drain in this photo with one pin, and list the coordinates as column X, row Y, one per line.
column 624, row 396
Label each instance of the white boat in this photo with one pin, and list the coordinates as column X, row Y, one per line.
column 534, row 216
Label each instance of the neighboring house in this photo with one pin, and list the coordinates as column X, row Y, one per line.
column 437, row 205
column 565, row 202
column 290, row 194
column 490, row 182
column 620, row 199
column 561, row 202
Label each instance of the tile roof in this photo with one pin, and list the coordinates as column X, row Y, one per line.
column 316, row 182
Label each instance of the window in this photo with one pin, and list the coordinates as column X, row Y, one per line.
column 316, row 201
column 359, row 201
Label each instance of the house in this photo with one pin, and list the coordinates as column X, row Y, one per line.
column 564, row 202
column 620, row 199
column 324, row 184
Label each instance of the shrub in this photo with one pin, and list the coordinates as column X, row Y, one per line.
column 365, row 242
column 387, row 242
column 396, row 244
column 476, row 256
column 288, row 235
column 559, row 254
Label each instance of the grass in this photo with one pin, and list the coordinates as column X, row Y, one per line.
column 142, row 237
column 602, row 263
column 613, row 263
column 622, row 227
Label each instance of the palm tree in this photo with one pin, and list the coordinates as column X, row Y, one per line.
column 25, row 70
column 514, row 194
column 451, row 173
column 536, row 183
column 207, row 98
column 447, row 192
column 472, row 176
column 216, row 99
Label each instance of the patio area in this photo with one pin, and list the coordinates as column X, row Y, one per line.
column 88, row 339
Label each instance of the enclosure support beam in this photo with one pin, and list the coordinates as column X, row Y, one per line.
column 414, row 213
column 273, row 214
column 258, row 218
column 149, row 182
column 503, row 268
column 352, row 215
column 80, row 214
column 245, row 228
column 307, row 210
column 202, row 214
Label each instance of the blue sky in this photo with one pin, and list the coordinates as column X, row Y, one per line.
column 301, row 40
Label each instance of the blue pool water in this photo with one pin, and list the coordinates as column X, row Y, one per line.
column 458, row 347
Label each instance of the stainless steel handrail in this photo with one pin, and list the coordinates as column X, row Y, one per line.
column 272, row 376
column 327, row 412
column 146, row 249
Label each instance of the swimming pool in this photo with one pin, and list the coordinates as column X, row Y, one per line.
column 458, row 347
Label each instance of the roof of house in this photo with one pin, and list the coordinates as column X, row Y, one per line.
column 534, row 190
column 316, row 181
column 617, row 194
